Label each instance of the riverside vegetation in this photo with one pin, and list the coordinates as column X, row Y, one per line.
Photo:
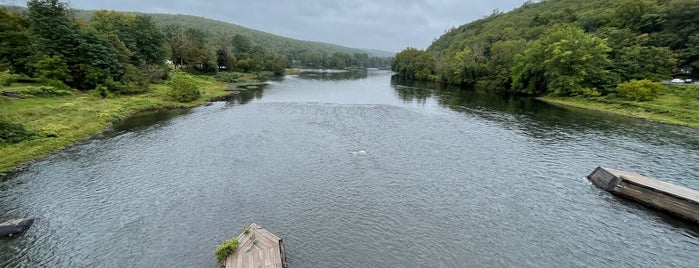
column 603, row 55
column 65, row 79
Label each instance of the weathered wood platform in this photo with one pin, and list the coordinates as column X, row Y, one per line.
column 258, row 248
column 678, row 200
column 15, row 226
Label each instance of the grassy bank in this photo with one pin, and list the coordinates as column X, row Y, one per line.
column 62, row 120
column 678, row 105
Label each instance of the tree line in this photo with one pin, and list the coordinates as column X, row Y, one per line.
column 564, row 47
column 124, row 52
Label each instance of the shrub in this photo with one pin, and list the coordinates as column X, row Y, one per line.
column 183, row 88
column 5, row 79
column 11, row 133
column 639, row 90
column 590, row 92
column 226, row 248
column 134, row 80
column 153, row 72
column 50, row 90
column 227, row 77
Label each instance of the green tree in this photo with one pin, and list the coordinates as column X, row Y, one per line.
column 565, row 61
column 241, row 45
column 15, row 47
column 689, row 57
column 639, row 62
column 51, row 68
column 279, row 65
column 502, row 57
column 412, row 63
column 191, row 48
column 53, row 29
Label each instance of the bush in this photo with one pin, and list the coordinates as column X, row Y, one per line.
column 639, row 90
column 5, row 79
column 226, row 248
column 53, row 89
column 11, row 133
column 227, row 77
column 154, row 73
column 134, row 80
column 183, row 88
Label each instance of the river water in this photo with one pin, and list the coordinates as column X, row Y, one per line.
column 447, row 178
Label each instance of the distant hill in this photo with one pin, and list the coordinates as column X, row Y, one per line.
column 223, row 29
column 217, row 28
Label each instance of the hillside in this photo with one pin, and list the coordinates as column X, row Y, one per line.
column 220, row 29
column 594, row 44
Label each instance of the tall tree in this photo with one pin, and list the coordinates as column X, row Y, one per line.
column 15, row 47
column 565, row 61
column 53, row 29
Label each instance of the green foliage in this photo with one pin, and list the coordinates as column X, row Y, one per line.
column 5, row 79
column 134, row 80
column 15, row 47
column 59, row 89
column 183, row 88
column 521, row 49
column 53, row 29
column 225, row 249
column 278, row 66
column 639, row 90
column 11, row 133
column 138, row 38
column 412, row 63
column 565, row 61
column 51, row 68
column 227, row 77
column 689, row 58
column 640, row 62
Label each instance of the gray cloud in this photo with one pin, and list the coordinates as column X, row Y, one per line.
column 380, row 24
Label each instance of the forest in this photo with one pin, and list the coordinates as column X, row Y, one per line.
column 566, row 48
column 124, row 52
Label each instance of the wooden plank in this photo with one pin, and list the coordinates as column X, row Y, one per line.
column 668, row 188
column 661, row 195
column 257, row 249
column 659, row 200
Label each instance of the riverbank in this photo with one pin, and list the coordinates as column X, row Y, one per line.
column 678, row 106
column 60, row 121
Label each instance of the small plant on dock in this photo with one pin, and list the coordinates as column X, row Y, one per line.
column 246, row 230
column 226, row 248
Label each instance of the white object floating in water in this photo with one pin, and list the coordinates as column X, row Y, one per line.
column 359, row 153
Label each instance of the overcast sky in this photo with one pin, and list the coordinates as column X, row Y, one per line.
column 378, row 24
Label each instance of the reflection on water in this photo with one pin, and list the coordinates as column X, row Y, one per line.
column 333, row 74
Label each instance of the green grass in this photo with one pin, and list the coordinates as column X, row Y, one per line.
column 679, row 105
column 64, row 120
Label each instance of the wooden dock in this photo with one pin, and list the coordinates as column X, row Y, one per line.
column 678, row 200
column 257, row 248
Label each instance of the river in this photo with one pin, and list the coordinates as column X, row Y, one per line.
column 449, row 178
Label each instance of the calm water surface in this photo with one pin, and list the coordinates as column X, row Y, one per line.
column 450, row 179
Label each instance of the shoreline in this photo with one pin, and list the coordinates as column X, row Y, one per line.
column 625, row 110
column 33, row 151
